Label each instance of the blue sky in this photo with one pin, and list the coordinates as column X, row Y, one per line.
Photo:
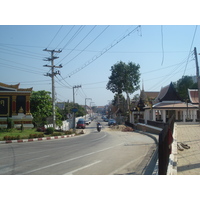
column 164, row 53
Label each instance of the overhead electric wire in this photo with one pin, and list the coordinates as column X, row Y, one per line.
column 102, row 53
column 190, row 48
column 162, row 45
column 81, row 94
column 80, row 42
column 19, row 68
column 74, row 36
column 61, row 84
column 87, row 45
column 66, row 81
column 65, row 36
column 39, row 69
column 171, row 74
column 19, row 54
column 21, row 45
column 54, row 36
column 30, row 53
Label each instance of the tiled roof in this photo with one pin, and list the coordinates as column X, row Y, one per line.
column 193, row 95
column 168, row 93
column 151, row 95
column 174, row 105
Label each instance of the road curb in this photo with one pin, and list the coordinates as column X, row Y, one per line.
column 36, row 139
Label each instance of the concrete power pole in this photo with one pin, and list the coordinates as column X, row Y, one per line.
column 52, row 58
column 85, row 106
column 198, row 78
column 76, row 86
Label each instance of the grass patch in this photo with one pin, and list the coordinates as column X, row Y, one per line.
column 18, row 134
column 14, row 134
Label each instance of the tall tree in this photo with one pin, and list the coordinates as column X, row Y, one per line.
column 68, row 110
column 124, row 78
column 182, row 86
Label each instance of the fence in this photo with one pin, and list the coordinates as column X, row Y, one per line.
column 66, row 125
column 165, row 141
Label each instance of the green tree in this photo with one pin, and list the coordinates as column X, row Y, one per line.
column 68, row 110
column 124, row 78
column 182, row 86
column 41, row 107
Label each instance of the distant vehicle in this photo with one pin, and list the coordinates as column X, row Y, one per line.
column 111, row 122
column 81, row 123
column 105, row 120
column 99, row 127
column 87, row 122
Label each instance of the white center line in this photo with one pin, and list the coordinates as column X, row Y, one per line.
column 58, row 163
column 71, row 173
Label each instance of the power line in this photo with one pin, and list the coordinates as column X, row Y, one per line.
column 87, row 45
column 31, row 53
column 175, row 71
column 190, row 49
column 65, row 36
column 102, row 53
column 20, row 68
column 65, row 81
column 19, row 54
column 54, row 36
column 162, row 45
column 22, row 64
column 74, row 36
column 80, row 42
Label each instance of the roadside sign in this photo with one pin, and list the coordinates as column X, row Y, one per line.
column 74, row 110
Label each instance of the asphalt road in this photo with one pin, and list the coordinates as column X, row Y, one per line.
column 94, row 153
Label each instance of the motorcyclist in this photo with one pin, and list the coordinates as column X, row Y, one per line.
column 98, row 126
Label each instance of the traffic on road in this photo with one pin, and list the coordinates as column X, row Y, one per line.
column 106, row 152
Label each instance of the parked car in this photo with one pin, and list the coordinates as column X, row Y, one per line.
column 111, row 122
column 81, row 123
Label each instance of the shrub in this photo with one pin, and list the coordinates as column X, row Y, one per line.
column 41, row 129
column 22, row 127
column 7, row 137
column 56, row 134
column 10, row 123
column 36, row 135
column 69, row 132
column 49, row 130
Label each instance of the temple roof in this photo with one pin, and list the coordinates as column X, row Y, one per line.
column 168, row 93
column 150, row 95
column 193, row 95
column 13, row 88
column 174, row 105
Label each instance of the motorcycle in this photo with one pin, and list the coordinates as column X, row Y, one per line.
column 99, row 127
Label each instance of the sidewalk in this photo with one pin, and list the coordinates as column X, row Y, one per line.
column 188, row 160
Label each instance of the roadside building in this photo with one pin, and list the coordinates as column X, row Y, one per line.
column 15, row 104
column 169, row 103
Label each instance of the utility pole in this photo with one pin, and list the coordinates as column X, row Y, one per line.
column 76, row 86
column 52, row 66
column 91, row 109
column 198, row 78
column 85, row 106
